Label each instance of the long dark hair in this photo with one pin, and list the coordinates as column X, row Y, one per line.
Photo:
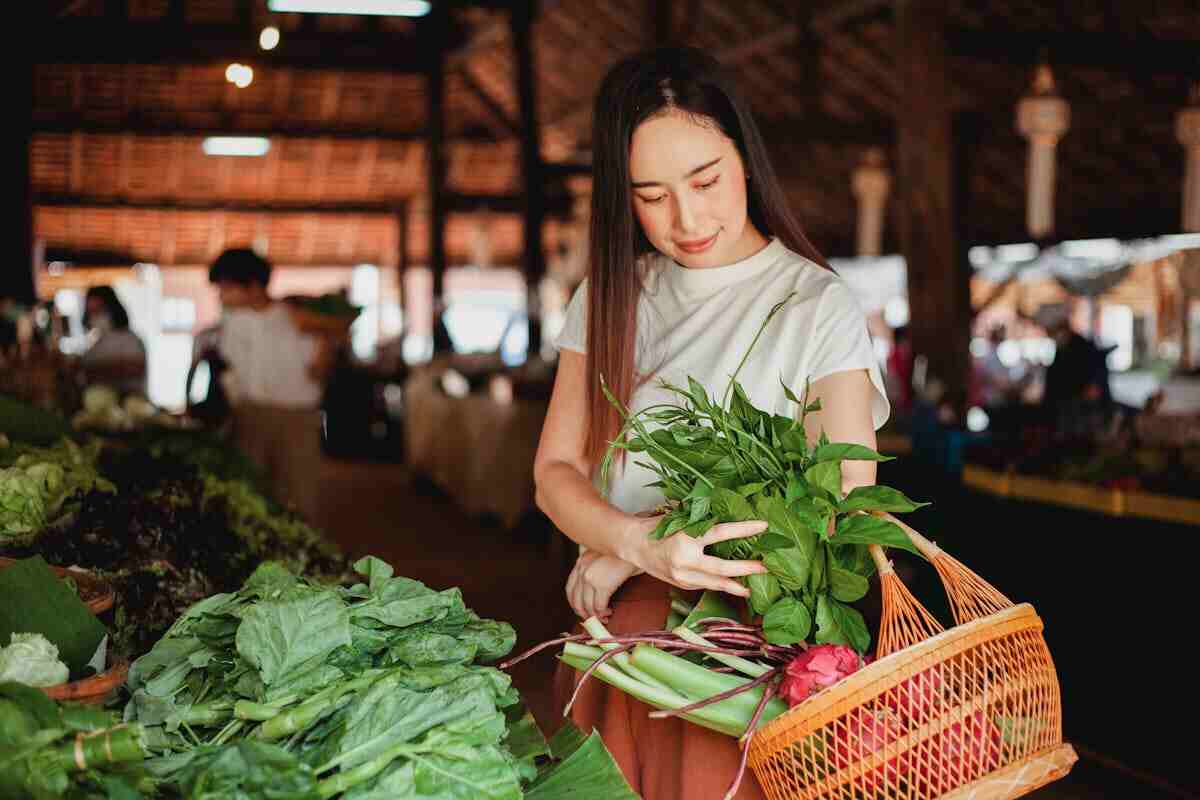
column 633, row 91
column 116, row 311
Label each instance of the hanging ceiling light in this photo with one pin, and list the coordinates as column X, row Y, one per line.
column 269, row 38
column 1042, row 118
column 870, row 183
column 239, row 75
column 383, row 8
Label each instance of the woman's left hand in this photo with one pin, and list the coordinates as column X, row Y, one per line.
column 593, row 582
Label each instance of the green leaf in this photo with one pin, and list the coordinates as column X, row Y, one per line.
column 877, row 498
column 764, row 591
column 766, row 542
column 847, row 586
column 276, row 636
column 747, row 489
column 699, row 396
column 838, row 623
column 731, row 506
column 711, row 604
column 589, row 773
column 781, row 519
column 787, row 622
column 701, row 506
column 698, row 529
column 847, row 452
column 407, row 611
column 797, row 488
column 826, row 475
column 867, row 529
column 247, row 770
column 795, row 441
column 816, row 578
column 789, row 394
column 791, row 566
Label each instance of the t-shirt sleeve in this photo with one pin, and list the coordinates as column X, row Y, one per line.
column 573, row 335
column 841, row 342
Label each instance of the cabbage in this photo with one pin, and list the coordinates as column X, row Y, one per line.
column 32, row 660
column 22, row 502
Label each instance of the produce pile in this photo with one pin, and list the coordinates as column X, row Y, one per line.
column 379, row 689
column 105, row 411
column 168, row 517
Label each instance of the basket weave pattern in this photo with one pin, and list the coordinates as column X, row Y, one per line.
column 969, row 712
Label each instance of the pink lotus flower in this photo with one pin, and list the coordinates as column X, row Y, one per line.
column 815, row 669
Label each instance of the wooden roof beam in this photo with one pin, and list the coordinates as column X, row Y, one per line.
column 143, row 126
column 1136, row 55
column 167, row 42
column 457, row 203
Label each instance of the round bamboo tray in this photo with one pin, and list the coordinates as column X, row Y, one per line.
column 91, row 691
column 97, row 594
column 970, row 712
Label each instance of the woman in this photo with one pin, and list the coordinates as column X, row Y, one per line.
column 691, row 245
column 117, row 356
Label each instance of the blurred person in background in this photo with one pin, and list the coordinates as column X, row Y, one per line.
column 273, row 378
column 117, row 356
column 1077, row 400
column 900, row 371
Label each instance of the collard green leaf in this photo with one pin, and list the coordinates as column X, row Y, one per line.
column 411, row 610
column 247, row 770
column 826, row 475
column 867, row 529
column 877, row 498
column 764, row 591
column 449, row 773
column 845, row 585
column 278, row 635
column 787, row 622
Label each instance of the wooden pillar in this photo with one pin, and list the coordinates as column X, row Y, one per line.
column 436, row 154
column 16, row 277
column 662, row 14
column 521, row 18
column 938, row 287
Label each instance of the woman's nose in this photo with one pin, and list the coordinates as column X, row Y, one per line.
column 685, row 215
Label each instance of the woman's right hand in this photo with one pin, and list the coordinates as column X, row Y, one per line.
column 680, row 559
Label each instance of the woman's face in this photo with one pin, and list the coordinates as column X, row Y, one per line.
column 689, row 192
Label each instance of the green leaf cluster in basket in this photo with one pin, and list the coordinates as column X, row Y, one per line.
column 728, row 461
column 289, row 688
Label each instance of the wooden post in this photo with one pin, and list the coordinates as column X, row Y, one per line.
column 521, row 18
column 937, row 281
column 16, row 278
column 663, row 21
column 436, row 155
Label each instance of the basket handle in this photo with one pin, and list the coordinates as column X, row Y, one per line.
column 971, row 597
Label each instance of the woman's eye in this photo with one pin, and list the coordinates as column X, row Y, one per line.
column 653, row 200
column 705, row 186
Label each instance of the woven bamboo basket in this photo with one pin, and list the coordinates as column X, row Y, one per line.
column 970, row 712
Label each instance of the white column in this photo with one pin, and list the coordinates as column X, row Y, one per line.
column 1042, row 118
column 870, row 183
column 1187, row 129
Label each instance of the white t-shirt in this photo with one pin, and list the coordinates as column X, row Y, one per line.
column 268, row 359
column 699, row 322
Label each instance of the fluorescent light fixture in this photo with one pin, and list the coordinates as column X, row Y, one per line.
column 236, row 146
column 379, row 8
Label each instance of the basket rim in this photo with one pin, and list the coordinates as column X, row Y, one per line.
column 893, row 669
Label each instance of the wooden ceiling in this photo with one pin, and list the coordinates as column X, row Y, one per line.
column 122, row 102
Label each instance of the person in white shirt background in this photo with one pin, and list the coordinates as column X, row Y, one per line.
column 117, row 356
column 274, row 378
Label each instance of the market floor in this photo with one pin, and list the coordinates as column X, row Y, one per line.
column 518, row 576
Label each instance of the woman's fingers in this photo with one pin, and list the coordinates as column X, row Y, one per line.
column 732, row 530
column 731, row 569
column 706, row 580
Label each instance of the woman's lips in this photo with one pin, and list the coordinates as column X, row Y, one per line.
column 698, row 246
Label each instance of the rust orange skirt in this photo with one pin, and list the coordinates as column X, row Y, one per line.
column 663, row 759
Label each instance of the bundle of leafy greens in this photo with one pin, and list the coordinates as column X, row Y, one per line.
column 49, row 750
column 380, row 689
column 38, row 484
column 730, row 462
